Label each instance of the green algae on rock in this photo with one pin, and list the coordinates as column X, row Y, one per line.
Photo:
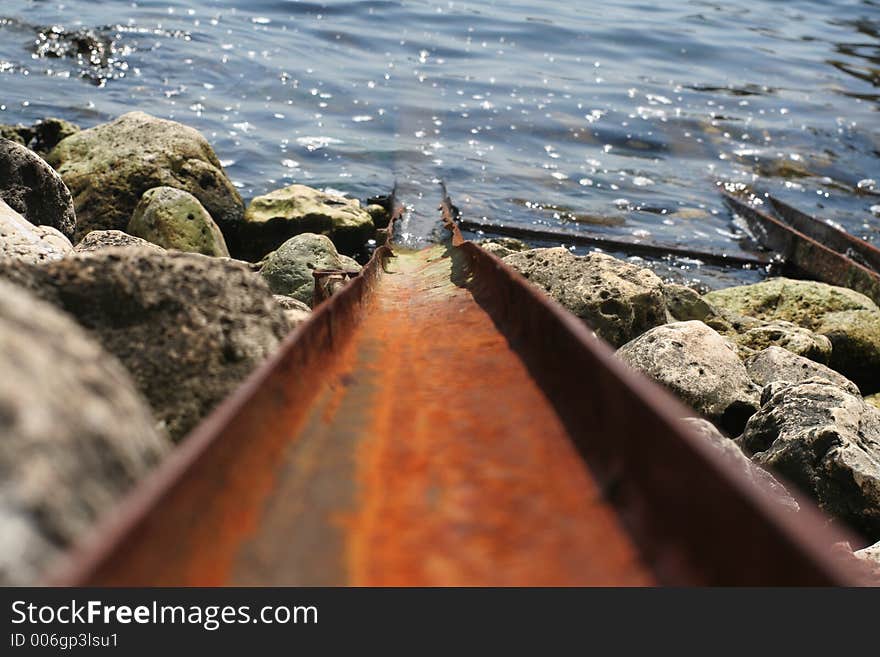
column 288, row 270
column 109, row 167
column 850, row 320
column 275, row 217
column 174, row 219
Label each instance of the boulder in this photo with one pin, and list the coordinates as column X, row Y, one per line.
column 870, row 555
column 33, row 189
column 288, row 270
column 850, row 320
column 20, row 134
column 275, row 217
column 699, row 366
column 826, row 441
column 49, row 132
column 295, row 311
column 21, row 240
column 109, row 167
column 503, row 246
column 775, row 364
column 188, row 327
column 174, row 219
column 74, row 435
column 103, row 239
column 617, row 299
column 731, row 452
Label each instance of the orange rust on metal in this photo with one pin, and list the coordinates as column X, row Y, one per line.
column 439, row 422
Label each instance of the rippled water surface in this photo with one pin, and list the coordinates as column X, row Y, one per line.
column 611, row 117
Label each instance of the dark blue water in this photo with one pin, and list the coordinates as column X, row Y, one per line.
column 615, row 117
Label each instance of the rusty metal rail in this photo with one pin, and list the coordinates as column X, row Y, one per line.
column 440, row 422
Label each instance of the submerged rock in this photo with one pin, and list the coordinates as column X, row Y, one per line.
column 825, row 440
column 288, row 270
column 75, row 434
column 275, row 217
column 188, row 327
column 699, row 366
column 731, row 452
column 295, row 311
column 775, row 364
column 103, row 239
column 109, row 167
column 618, row 300
column 21, row 240
column 174, row 219
column 34, row 190
column 850, row 320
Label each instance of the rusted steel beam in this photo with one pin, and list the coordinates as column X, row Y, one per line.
column 440, row 422
column 618, row 244
column 838, row 240
column 805, row 253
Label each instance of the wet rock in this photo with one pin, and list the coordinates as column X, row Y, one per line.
column 288, row 270
column 776, row 364
column 174, row 219
column 503, row 246
column 76, row 434
column 103, row 239
column 699, row 366
column 295, row 311
column 850, row 320
column 49, row 132
column 275, row 217
column 21, row 240
column 110, row 166
column 617, row 299
column 188, row 327
column 33, row 189
column 765, row 481
column 826, row 441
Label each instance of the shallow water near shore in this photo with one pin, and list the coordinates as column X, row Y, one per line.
column 613, row 118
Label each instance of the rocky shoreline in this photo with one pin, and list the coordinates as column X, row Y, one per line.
column 137, row 290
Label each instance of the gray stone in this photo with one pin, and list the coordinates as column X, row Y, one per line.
column 731, row 452
column 110, row 166
column 295, row 311
column 103, row 239
column 288, row 270
column 503, row 246
column 617, row 299
column 826, row 441
column 74, row 435
column 275, row 217
column 188, row 327
column 21, row 240
column 174, row 219
column 699, row 366
column 34, row 190
column 776, row 364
